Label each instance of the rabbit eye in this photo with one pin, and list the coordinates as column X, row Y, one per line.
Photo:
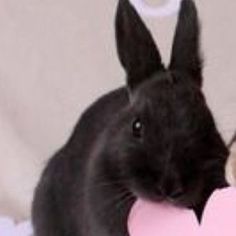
column 137, row 128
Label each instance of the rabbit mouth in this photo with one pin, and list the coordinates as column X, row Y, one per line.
column 181, row 200
column 178, row 198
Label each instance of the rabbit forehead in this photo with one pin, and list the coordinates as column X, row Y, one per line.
column 167, row 89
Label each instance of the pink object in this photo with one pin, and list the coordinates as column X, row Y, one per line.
column 152, row 219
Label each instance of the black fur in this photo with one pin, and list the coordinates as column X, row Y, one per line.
column 186, row 55
column 155, row 140
column 232, row 141
column 136, row 49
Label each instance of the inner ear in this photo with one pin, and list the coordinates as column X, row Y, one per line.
column 186, row 55
column 136, row 48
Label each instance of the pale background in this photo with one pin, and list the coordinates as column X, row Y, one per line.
column 57, row 56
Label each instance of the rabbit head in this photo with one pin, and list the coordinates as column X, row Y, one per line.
column 164, row 143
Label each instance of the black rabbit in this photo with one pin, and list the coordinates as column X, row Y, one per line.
column 154, row 138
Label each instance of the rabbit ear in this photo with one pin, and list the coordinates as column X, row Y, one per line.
column 186, row 47
column 136, row 48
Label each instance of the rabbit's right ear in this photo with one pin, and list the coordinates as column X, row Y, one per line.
column 136, row 48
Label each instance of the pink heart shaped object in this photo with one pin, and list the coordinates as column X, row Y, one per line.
column 152, row 219
column 219, row 217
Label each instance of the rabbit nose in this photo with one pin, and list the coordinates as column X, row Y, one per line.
column 171, row 190
column 171, row 193
column 176, row 193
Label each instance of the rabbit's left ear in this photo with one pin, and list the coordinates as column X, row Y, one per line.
column 186, row 47
column 136, row 48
